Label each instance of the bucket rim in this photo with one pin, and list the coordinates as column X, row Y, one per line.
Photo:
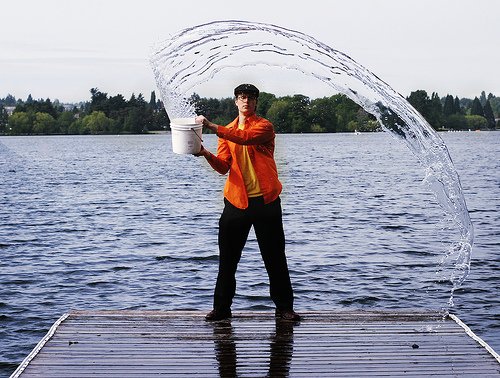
column 184, row 122
column 196, row 127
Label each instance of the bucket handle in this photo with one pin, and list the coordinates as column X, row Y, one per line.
column 195, row 133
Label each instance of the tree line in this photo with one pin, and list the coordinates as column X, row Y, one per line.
column 105, row 114
column 450, row 113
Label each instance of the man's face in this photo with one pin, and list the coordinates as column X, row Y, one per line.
column 246, row 103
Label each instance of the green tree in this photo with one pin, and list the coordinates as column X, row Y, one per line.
column 315, row 128
column 96, row 123
column 118, row 110
column 465, row 105
column 161, row 120
column 476, row 122
column 145, row 114
column 322, row 113
column 420, row 101
column 456, row 122
column 435, row 111
column 64, row 122
column 278, row 115
column 38, row 106
column 430, row 108
column 20, row 123
column 218, row 111
column 452, row 115
column 227, row 111
column 346, row 111
column 44, row 123
column 488, row 114
column 3, row 119
column 264, row 103
column 482, row 98
column 299, row 116
column 9, row 100
column 98, row 101
column 495, row 106
column 133, row 121
column 75, row 127
column 365, row 122
column 152, row 100
column 449, row 106
column 477, row 108
column 456, row 106
column 116, row 103
column 212, row 107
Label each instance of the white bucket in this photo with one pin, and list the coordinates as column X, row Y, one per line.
column 186, row 136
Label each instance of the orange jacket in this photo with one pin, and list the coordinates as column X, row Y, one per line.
column 258, row 135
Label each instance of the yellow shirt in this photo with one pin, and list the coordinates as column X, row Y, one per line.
column 249, row 176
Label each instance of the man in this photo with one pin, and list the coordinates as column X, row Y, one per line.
column 251, row 197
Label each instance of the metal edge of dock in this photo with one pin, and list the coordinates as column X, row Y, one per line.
column 39, row 346
column 476, row 338
column 372, row 315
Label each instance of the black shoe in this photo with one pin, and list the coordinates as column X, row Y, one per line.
column 218, row 315
column 289, row 315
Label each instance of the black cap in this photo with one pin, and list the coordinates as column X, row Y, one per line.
column 246, row 89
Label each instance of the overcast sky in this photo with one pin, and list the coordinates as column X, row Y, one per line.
column 59, row 49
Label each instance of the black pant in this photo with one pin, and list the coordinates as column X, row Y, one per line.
column 234, row 226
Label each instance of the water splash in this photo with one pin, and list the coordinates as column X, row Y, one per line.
column 195, row 55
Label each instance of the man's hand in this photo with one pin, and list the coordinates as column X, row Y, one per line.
column 206, row 123
column 203, row 152
column 201, row 120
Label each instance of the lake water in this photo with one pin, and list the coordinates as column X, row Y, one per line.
column 120, row 222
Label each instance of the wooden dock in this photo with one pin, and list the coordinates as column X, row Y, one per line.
column 323, row 344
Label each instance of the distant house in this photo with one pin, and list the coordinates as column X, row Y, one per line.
column 9, row 110
column 68, row 107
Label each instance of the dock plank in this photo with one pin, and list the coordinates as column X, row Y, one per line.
column 350, row 344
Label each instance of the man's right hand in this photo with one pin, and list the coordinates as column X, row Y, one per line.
column 202, row 120
column 202, row 152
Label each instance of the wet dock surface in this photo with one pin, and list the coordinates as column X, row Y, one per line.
column 255, row 344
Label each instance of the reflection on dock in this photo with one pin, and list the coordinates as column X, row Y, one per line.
column 150, row 343
column 280, row 349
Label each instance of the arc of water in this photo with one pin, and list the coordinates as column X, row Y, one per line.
column 197, row 54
